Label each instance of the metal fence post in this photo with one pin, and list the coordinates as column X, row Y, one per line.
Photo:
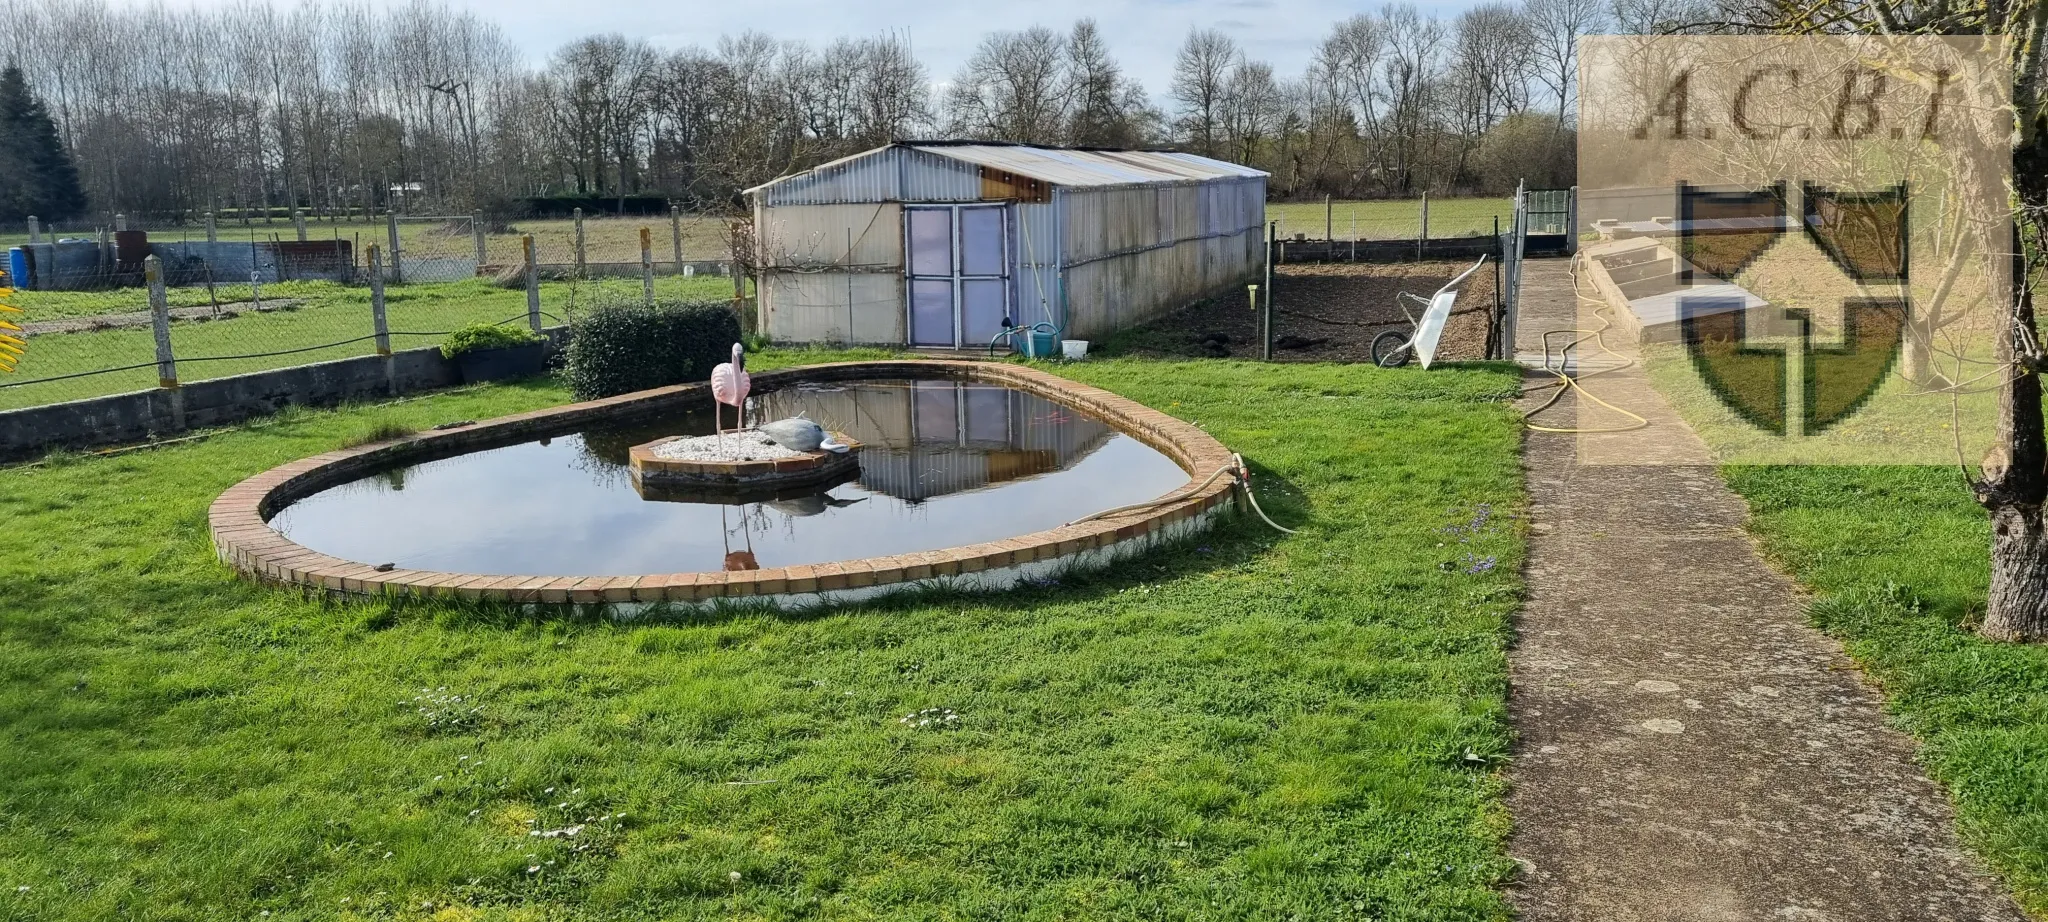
column 532, row 284
column 1329, row 216
column 1494, row 349
column 120, row 223
column 160, row 322
column 476, row 231
column 1571, row 222
column 675, row 232
column 397, row 255
column 299, row 223
column 379, row 324
column 35, row 229
column 1266, row 316
column 1422, row 238
column 581, row 265
column 1519, row 229
column 212, row 234
column 647, row 266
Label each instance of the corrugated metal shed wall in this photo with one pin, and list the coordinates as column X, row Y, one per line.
column 809, row 278
column 1137, row 252
column 1035, row 295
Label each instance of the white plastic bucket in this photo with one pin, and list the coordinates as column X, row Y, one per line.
column 1074, row 349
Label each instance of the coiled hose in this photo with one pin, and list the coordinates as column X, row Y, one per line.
column 1241, row 477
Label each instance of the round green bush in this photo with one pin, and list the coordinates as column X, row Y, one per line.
column 624, row 347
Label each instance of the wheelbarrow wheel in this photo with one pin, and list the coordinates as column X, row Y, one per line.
column 1391, row 349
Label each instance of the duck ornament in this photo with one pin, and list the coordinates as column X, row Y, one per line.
column 799, row 433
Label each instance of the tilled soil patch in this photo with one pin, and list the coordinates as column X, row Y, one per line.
column 1324, row 312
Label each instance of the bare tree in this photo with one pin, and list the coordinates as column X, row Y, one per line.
column 1109, row 109
column 1013, row 88
column 1201, row 76
column 1554, row 30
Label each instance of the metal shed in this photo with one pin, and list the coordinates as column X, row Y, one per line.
column 935, row 244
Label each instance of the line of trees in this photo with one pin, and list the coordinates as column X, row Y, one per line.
column 341, row 107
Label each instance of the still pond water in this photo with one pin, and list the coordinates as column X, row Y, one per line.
column 943, row 464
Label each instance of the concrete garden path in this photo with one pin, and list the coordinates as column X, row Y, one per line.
column 1688, row 747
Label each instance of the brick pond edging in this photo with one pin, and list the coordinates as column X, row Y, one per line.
column 243, row 538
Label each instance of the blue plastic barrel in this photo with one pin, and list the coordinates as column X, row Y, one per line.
column 17, row 269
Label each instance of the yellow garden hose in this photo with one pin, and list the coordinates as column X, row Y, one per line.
column 1567, row 382
column 1241, row 476
column 11, row 342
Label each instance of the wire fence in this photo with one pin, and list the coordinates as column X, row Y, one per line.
column 1403, row 219
column 263, row 299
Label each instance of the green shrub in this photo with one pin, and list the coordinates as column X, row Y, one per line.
column 624, row 347
column 477, row 337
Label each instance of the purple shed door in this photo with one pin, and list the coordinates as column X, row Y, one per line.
column 959, row 261
column 931, row 312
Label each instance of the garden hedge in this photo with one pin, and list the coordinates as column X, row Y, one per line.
column 624, row 347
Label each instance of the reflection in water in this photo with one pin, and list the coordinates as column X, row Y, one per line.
column 943, row 464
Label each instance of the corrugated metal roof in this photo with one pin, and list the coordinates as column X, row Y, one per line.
column 1092, row 167
column 1060, row 166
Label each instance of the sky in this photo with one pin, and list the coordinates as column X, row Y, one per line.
column 1144, row 34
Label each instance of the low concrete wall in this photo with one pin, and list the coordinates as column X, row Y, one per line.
column 1537, row 246
column 163, row 413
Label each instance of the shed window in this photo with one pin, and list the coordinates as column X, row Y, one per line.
column 931, row 241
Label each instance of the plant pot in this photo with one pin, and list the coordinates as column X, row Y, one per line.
column 480, row 365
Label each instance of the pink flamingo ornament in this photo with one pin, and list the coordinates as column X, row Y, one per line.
column 729, row 385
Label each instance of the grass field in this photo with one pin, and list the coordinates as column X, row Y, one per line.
column 1898, row 559
column 326, row 313
column 1392, row 220
column 606, row 239
column 1245, row 727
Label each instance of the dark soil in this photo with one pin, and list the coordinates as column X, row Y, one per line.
column 1327, row 312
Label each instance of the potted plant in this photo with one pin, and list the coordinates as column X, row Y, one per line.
column 488, row 352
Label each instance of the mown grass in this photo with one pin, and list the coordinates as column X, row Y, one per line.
column 1246, row 726
column 605, row 239
column 325, row 313
column 1898, row 558
column 1383, row 219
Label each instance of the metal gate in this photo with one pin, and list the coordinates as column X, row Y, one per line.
column 1550, row 211
column 959, row 267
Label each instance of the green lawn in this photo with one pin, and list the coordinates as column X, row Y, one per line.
column 1392, row 220
column 605, row 239
column 327, row 313
column 1248, row 726
column 1898, row 558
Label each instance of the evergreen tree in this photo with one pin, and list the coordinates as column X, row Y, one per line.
column 36, row 175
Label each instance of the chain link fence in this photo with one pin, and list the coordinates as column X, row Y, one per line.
column 239, row 298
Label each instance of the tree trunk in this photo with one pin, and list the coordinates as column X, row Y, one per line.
column 2015, row 482
column 2014, row 488
column 2017, row 606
